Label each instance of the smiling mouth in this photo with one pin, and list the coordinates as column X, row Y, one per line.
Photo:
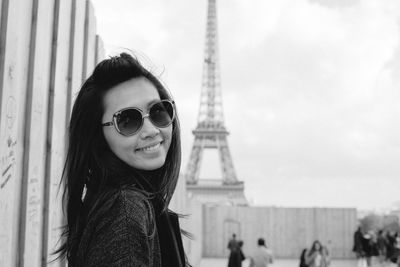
column 150, row 148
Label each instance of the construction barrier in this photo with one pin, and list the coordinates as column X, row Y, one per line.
column 286, row 230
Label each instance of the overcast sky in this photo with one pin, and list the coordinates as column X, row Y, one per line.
column 311, row 90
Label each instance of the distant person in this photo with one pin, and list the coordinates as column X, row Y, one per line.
column 397, row 249
column 326, row 250
column 303, row 256
column 315, row 256
column 391, row 248
column 366, row 242
column 263, row 256
column 382, row 244
column 233, row 243
column 235, row 252
column 374, row 248
column 396, row 256
column 358, row 247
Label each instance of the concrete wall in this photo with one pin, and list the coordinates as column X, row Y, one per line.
column 47, row 48
column 194, row 225
column 191, row 221
column 286, row 230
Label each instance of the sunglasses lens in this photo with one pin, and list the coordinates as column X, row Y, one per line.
column 129, row 121
column 162, row 114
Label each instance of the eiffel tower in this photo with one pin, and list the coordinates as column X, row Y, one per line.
column 210, row 132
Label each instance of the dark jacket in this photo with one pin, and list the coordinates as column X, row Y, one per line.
column 122, row 229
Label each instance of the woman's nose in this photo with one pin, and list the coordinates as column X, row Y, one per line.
column 148, row 129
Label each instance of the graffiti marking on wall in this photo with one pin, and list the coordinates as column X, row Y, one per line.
column 34, row 202
column 8, row 158
column 8, row 163
column 10, row 111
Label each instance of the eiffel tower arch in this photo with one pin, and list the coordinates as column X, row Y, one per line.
column 211, row 132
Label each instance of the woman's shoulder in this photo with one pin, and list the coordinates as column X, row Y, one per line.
column 127, row 200
column 134, row 200
column 128, row 196
column 121, row 223
column 119, row 207
column 124, row 193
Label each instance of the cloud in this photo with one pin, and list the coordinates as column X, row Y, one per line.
column 336, row 3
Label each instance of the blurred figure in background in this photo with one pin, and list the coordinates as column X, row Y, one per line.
column 303, row 258
column 396, row 256
column 316, row 256
column 233, row 243
column 374, row 251
column 326, row 252
column 263, row 256
column 358, row 247
column 366, row 243
column 234, row 255
column 382, row 243
column 391, row 248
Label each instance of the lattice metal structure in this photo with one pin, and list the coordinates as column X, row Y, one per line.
column 210, row 132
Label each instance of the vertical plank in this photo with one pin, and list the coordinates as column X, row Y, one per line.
column 36, row 128
column 78, row 47
column 57, row 127
column 208, row 231
column 15, row 40
column 3, row 32
column 90, row 41
column 100, row 52
column 85, row 40
column 49, row 130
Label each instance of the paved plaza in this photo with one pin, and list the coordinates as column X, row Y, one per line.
column 212, row 262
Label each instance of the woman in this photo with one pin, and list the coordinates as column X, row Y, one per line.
column 121, row 170
column 358, row 247
column 236, row 256
column 316, row 256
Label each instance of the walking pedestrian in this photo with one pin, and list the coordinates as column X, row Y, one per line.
column 382, row 244
column 316, row 257
column 263, row 256
column 358, row 247
column 235, row 256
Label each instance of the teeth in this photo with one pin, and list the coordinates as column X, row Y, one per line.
column 150, row 148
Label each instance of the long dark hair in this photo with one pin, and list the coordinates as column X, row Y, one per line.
column 90, row 162
column 314, row 247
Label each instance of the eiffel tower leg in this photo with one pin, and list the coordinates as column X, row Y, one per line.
column 228, row 171
column 192, row 174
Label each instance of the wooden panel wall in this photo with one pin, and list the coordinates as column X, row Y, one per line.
column 78, row 35
column 15, row 29
column 286, row 230
column 57, row 119
column 47, row 48
column 35, row 132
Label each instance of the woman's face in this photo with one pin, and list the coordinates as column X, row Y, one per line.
column 317, row 246
column 146, row 149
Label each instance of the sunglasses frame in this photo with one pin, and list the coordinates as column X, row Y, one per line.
column 144, row 115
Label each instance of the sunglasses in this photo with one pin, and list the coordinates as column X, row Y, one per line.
column 129, row 121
